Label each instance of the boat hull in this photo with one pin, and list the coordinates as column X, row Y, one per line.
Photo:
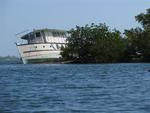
column 39, row 53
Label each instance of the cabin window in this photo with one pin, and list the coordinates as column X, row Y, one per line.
column 57, row 46
column 43, row 46
column 55, row 34
column 50, row 34
column 26, row 37
column 38, row 34
column 32, row 35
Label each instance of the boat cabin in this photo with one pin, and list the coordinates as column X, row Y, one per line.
column 45, row 36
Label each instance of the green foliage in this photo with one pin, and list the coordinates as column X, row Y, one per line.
column 99, row 44
column 9, row 59
column 144, row 19
column 94, row 44
column 139, row 38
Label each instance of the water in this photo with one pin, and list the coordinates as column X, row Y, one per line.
column 103, row 88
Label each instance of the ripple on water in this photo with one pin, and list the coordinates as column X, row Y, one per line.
column 100, row 88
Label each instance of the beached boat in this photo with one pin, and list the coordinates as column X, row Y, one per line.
column 42, row 46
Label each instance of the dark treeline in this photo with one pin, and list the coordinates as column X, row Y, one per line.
column 10, row 60
column 99, row 44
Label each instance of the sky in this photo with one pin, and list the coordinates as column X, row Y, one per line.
column 19, row 15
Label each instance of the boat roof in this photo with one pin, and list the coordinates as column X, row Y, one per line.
column 44, row 30
column 51, row 30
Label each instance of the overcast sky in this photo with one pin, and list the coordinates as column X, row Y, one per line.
column 19, row 15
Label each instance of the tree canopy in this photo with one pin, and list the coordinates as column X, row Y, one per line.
column 100, row 44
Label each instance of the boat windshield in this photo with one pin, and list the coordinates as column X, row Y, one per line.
column 34, row 37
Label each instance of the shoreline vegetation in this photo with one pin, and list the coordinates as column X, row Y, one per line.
column 100, row 44
column 10, row 60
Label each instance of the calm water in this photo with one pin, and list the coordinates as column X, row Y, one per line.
column 105, row 88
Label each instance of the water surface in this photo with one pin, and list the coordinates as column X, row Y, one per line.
column 57, row 88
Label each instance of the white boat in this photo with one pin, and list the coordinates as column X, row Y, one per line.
column 42, row 46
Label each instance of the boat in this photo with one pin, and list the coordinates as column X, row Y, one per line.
column 42, row 46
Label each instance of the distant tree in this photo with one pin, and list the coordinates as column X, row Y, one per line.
column 144, row 19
